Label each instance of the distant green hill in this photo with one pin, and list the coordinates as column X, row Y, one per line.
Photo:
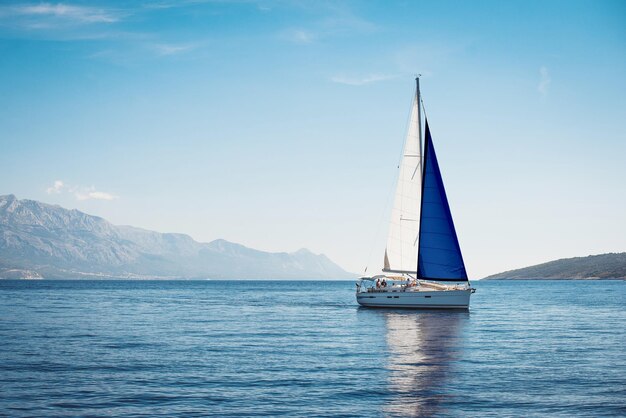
column 602, row 266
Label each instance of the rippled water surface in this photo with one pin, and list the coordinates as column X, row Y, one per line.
column 241, row 348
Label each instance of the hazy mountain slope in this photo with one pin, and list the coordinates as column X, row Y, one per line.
column 53, row 242
column 603, row 266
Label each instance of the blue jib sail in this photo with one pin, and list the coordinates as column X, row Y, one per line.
column 439, row 254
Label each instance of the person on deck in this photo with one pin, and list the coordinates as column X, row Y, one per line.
column 384, row 283
column 377, row 283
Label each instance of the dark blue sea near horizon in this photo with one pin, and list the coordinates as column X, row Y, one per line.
column 251, row 348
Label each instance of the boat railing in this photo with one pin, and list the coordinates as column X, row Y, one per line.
column 410, row 288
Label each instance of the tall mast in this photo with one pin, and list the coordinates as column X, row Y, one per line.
column 421, row 163
column 419, row 117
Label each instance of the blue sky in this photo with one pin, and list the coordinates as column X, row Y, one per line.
column 279, row 124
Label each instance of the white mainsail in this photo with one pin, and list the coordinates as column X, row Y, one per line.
column 402, row 241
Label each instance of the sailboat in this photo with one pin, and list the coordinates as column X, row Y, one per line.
column 422, row 266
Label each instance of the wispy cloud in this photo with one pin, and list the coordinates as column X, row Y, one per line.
column 299, row 36
column 46, row 15
column 92, row 193
column 80, row 193
column 172, row 49
column 76, row 13
column 261, row 5
column 133, row 51
column 544, row 81
column 333, row 20
column 56, row 188
column 361, row 80
column 347, row 23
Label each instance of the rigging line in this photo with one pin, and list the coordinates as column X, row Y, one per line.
column 423, row 108
column 407, row 125
column 380, row 221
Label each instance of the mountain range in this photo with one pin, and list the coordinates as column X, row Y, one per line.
column 39, row 240
column 602, row 266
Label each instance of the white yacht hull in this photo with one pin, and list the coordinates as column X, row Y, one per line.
column 423, row 299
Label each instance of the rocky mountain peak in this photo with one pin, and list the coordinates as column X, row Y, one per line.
column 54, row 242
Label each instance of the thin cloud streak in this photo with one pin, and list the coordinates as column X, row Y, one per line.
column 339, row 22
column 544, row 82
column 60, row 13
column 299, row 36
column 80, row 193
column 56, row 188
column 360, row 81
column 91, row 193
column 172, row 49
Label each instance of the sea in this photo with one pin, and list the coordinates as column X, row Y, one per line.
column 306, row 349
